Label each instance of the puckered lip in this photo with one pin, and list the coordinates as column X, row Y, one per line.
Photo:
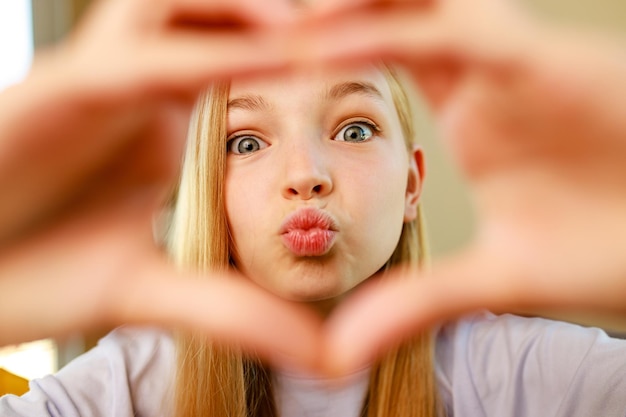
column 308, row 218
column 308, row 232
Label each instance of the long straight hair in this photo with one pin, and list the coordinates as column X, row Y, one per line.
column 214, row 380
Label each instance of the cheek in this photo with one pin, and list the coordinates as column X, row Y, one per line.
column 389, row 189
column 249, row 207
column 380, row 187
column 384, row 181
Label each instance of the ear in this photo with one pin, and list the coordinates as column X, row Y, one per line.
column 414, row 183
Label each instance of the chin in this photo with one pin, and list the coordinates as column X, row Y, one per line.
column 309, row 288
column 313, row 284
column 321, row 300
column 310, row 294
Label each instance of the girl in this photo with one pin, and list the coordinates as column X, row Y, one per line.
column 317, row 191
column 535, row 166
column 309, row 186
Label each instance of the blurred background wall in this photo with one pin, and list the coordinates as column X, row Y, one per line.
column 53, row 19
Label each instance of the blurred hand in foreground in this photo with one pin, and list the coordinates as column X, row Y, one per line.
column 90, row 146
column 532, row 115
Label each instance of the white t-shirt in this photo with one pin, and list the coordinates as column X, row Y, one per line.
column 490, row 366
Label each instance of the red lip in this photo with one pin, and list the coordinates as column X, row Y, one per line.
column 308, row 232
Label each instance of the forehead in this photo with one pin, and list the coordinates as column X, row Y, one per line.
column 315, row 84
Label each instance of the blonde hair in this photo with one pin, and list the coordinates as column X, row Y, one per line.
column 214, row 380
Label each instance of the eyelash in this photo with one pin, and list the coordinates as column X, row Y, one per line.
column 367, row 122
column 376, row 130
column 371, row 125
column 233, row 139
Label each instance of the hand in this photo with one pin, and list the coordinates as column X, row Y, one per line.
column 531, row 115
column 128, row 76
column 102, row 193
column 90, row 145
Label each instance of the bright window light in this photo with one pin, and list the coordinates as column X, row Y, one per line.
column 30, row 360
column 16, row 40
column 36, row 359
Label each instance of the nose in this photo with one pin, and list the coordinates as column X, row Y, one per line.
column 306, row 174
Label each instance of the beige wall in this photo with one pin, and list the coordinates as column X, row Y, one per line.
column 607, row 14
column 52, row 19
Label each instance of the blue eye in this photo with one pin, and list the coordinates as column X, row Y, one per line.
column 243, row 145
column 356, row 132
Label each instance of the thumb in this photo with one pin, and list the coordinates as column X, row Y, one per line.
column 406, row 301
column 225, row 307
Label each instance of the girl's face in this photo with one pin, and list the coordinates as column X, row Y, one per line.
column 319, row 181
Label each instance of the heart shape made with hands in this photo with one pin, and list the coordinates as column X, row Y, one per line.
column 94, row 208
column 467, row 57
column 230, row 309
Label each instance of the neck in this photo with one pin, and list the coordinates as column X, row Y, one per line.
column 325, row 307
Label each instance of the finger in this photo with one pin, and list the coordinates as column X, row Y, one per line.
column 224, row 309
column 181, row 63
column 248, row 11
column 439, row 81
column 135, row 146
column 227, row 309
column 187, row 62
column 53, row 280
column 410, row 33
column 407, row 302
column 325, row 8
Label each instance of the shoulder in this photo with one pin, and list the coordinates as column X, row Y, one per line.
column 509, row 336
column 136, row 349
column 532, row 364
column 510, row 333
column 128, row 373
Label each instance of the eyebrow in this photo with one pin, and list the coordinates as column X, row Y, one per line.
column 342, row 90
column 249, row 102
column 253, row 102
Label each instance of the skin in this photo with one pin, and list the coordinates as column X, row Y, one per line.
column 532, row 114
column 369, row 188
column 89, row 151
